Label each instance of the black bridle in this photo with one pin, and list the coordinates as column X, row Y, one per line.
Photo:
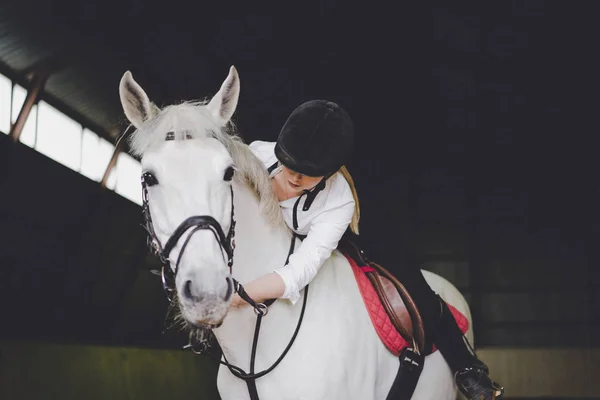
column 197, row 222
column 227, row 244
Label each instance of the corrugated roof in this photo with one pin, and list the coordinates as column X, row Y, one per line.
column 178, row 52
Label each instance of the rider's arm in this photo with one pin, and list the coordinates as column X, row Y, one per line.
column 325, row 232
column 264, row 151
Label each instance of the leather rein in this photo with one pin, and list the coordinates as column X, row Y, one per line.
column 227, row 244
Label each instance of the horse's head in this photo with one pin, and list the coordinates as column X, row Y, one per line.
column 187, row 178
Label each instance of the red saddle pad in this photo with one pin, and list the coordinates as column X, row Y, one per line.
column 381, row 321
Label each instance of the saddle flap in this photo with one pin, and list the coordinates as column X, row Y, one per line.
column 395, row 299
column 393, row 293
column 392, row 301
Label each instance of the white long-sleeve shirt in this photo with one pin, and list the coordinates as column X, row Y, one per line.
column 323, row 223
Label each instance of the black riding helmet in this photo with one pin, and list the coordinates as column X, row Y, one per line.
column 316, row 139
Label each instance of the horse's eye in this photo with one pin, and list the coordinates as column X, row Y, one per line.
column 149, row 179
column 228, row 174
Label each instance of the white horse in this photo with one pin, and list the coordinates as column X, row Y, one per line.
column 337, row 353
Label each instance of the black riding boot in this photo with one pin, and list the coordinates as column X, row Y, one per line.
column 470, row 373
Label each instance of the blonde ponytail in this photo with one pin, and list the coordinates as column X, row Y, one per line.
column 356, row 216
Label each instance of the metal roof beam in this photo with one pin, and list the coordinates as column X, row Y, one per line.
column 112, row 163
column 33, row 96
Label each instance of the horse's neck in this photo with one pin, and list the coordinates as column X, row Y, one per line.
column 260, row 246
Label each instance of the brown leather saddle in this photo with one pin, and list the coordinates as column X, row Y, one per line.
column 394, row 297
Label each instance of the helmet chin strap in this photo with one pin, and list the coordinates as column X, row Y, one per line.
column 310, row 194
column 310, row 197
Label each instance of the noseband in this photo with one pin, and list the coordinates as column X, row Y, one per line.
column 196, row 223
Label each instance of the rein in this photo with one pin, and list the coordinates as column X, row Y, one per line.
column 261, row 310
column 227, row 244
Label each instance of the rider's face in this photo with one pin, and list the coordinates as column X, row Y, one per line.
column 298, row 182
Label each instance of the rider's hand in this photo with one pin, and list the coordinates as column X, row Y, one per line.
column 236, row 301
column 269, row 286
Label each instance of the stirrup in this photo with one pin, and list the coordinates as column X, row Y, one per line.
column 475, row 384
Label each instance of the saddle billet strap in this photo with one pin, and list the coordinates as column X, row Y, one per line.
column 418, row 332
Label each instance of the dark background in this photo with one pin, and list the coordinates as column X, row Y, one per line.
column 476, row 145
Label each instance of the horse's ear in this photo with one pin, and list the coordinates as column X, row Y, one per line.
column 223, row 104
column 134, row 100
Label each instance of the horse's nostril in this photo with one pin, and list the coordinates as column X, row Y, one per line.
column 229, row 288
column 187, row 291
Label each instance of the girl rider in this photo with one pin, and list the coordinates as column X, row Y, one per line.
column 319, row 202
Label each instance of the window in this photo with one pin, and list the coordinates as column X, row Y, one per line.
column 129, row 171
column 28, row 134
column 112, row 180
column 5, row 95
column 58, row 136
column 95, row 156
column 66, row 141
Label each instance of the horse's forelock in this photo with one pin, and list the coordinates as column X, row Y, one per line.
column 190, row 118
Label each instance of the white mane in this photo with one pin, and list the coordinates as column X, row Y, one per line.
column 191, row 120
